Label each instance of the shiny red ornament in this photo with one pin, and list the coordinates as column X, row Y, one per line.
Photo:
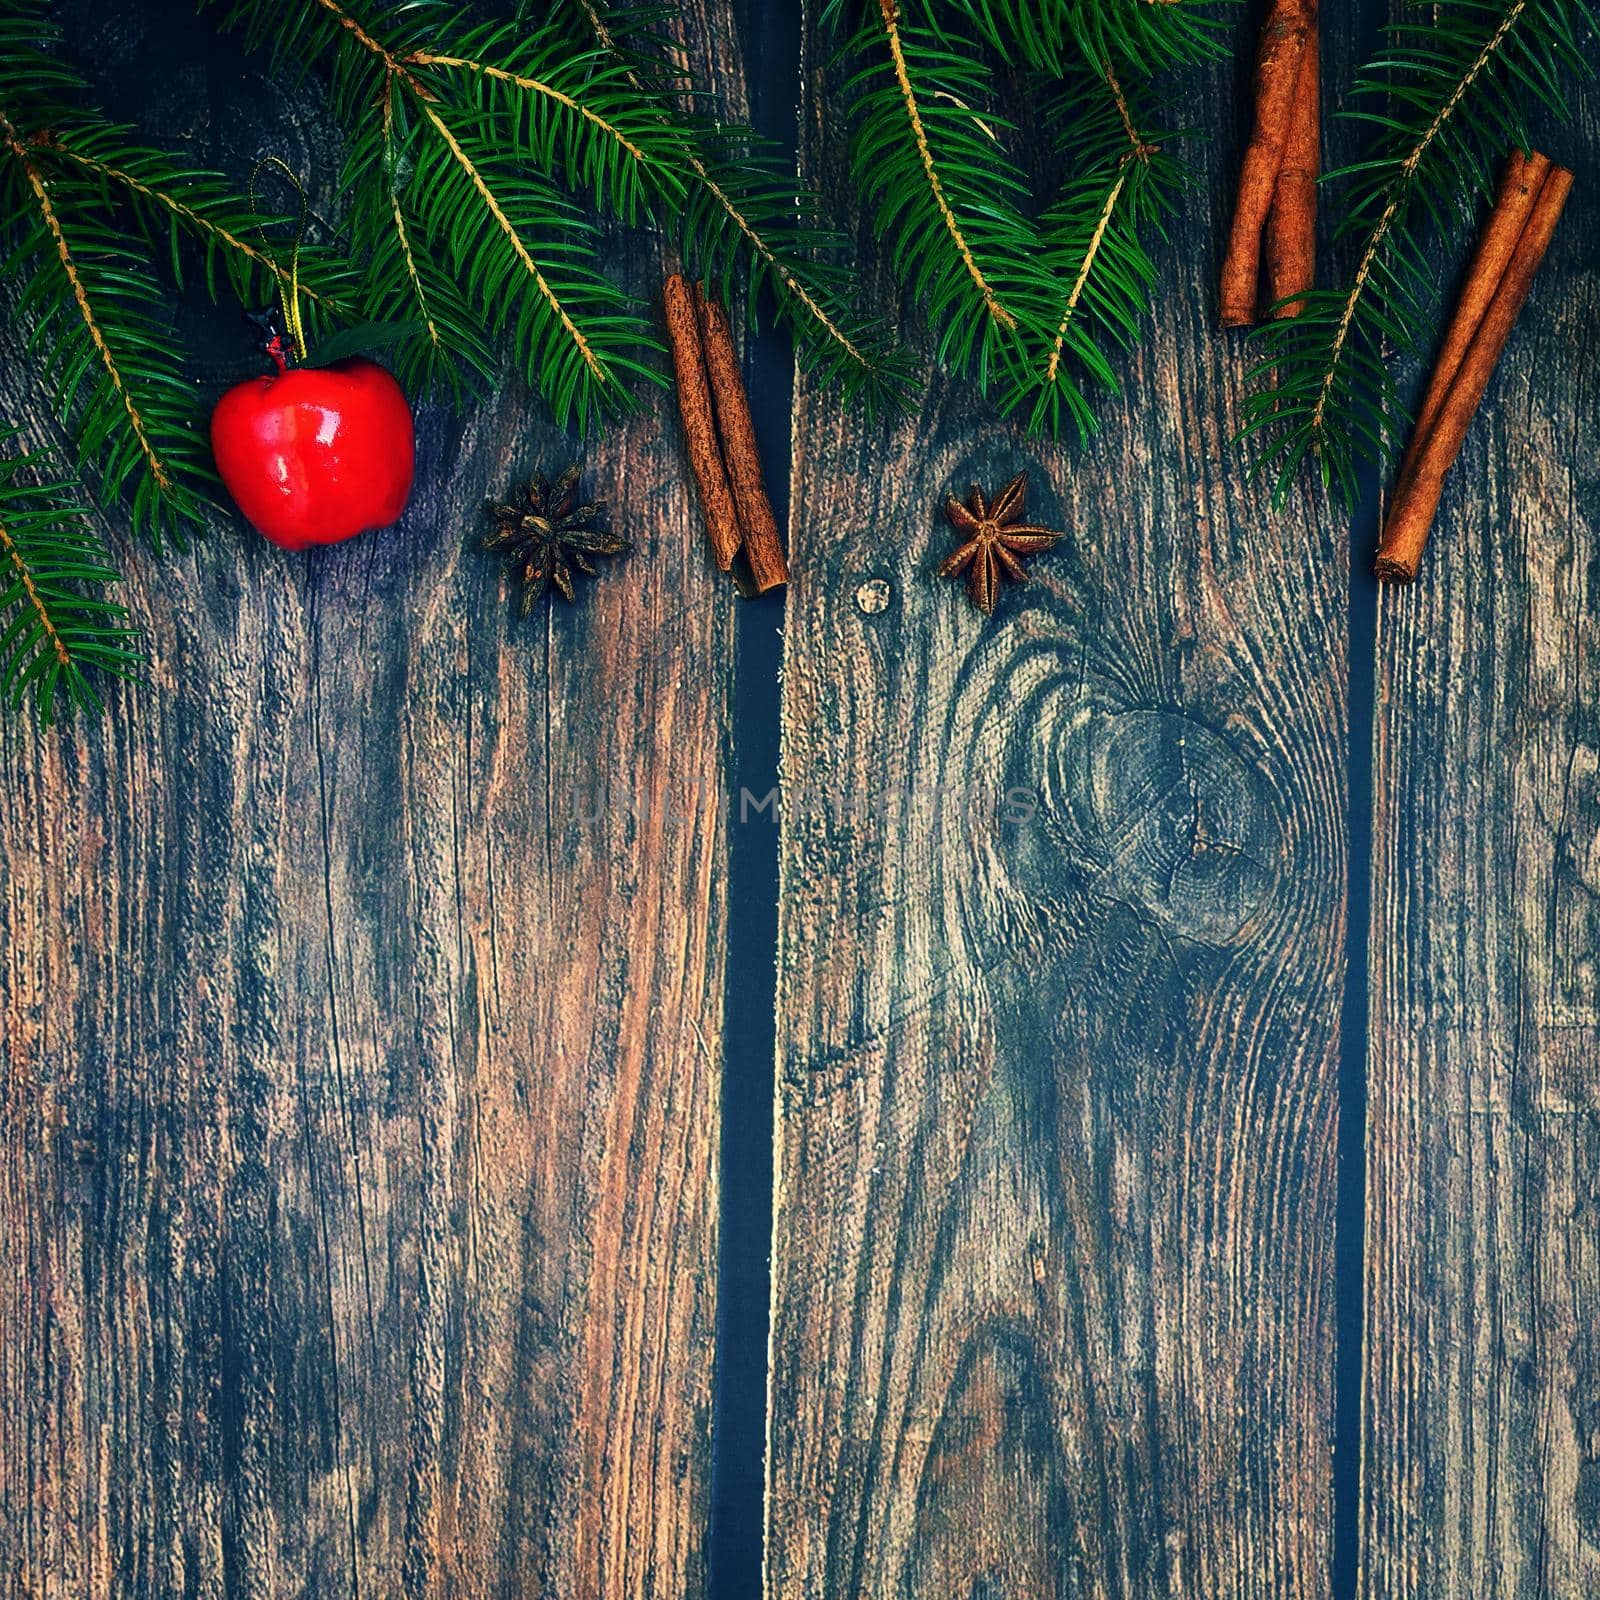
column 313, row 455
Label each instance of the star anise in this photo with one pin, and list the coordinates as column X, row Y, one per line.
column 993, row 539
column 549, row 534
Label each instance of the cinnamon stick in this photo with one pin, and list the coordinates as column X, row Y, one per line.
column 737, row 433
column 1277, row 76
column 699, row 420
column 1520, row 182
column 1417, row 498
column 1292, row 222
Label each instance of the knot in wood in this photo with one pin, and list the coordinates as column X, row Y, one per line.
column 1179, row 823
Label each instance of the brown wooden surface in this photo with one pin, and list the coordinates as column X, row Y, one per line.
column 360, row 1110
column 1058, row 1096
column 361, row 1060
column 1482, row 1399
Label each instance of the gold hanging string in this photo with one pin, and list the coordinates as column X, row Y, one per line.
column 288, row 297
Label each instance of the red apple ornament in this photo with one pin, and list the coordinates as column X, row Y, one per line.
column 313, row 455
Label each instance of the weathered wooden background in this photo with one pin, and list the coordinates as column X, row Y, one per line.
column 1482, row 1378
column 362, row 1073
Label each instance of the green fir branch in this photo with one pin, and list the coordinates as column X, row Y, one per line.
column 176, row 203
column 576, row 113
column 100, row 333
column 576, row 332
column 1448, row 94
column 1121, row 188
column 1034, row 305
column 949, row 203
column 97, row 321
column 741, row 204
column 459, row 138
column 58, row 629
column 476, row 146
column 746, row 209
column 405, row 283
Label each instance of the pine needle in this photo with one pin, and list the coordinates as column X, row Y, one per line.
column 80, row 294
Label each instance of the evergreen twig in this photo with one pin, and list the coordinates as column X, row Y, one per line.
column 205, row 209
column 1025, row 303
column 740, row 201
column 56, row 625
column 948, row 200
column 1117, row 196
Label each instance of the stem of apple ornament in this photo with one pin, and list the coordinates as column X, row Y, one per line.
column 269, row 324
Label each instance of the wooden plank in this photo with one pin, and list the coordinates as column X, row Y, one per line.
column 1058, row 1085
column 1482, row 1389
column 360, row 1112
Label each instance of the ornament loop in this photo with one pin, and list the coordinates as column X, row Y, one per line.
column 290, row 299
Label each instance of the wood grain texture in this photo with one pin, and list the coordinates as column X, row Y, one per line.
column 361, row 985
column 1057, row 1102
column 1482, row 1395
